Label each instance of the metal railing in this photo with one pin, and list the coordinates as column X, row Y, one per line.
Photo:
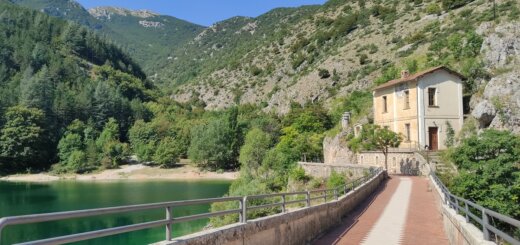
column 169, row 220
column 481, row 216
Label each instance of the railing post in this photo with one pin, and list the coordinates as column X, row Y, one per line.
column 325, row 196
column 485, row 222
column 457, row 205
column 283, row 203
column 345, row 189
column 467, row 211
column 169, row 217
column 308, row 196
column 242, row 216
column 336, row 194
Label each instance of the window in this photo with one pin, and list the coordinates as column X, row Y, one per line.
column 407, row 127
column 407, row 99
column 385, row 107
column 432, row 98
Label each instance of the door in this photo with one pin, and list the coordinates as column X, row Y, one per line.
column 434, row 138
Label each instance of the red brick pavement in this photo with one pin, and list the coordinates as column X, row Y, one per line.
column 357, row 224
column 423, row 224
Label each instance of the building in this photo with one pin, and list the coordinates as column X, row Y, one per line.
column 421, row 106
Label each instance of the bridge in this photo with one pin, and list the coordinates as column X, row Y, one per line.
column 374, row 209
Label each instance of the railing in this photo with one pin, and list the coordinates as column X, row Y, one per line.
column 481, row 216
column 169, row 220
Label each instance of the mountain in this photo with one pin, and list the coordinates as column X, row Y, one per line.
column 65, row 9
column 316, row 54
column 147, row 36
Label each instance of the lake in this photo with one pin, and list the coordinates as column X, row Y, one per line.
column 32, row 198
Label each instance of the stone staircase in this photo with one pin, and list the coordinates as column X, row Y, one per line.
column 440, row 165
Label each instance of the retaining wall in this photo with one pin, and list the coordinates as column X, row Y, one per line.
column 296, row 227
column 459, row 231
column 321, row 170
column 407, row 163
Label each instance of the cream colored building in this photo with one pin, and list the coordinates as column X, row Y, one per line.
column 420, row 105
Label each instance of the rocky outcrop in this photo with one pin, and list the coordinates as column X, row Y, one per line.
column 336, row 152
column 501, row 46
column 500, row 105
column 484, row 112
column 108, row 12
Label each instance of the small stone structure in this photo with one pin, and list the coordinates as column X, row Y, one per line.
column 345, row 120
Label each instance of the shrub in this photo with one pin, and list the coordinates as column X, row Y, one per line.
column 363, row 59
column 299, row 174
column 336, row 180
column 433, row 8
column 324, row 73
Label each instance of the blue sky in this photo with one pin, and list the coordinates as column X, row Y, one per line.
column 203, row 12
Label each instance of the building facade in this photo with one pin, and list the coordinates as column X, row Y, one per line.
column 421, row 107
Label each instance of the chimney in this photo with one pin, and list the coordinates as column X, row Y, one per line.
column 405, row 73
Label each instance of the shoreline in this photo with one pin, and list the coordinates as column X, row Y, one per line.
column 136, row 172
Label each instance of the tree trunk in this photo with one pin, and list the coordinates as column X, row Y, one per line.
column 386, row 159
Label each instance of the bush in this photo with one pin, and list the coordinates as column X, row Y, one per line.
column 324, row 73
column 298, row 174
column 336, row 180
column 363, row 59
column 433, row 8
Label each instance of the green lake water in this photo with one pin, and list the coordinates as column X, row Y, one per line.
column 33, row 198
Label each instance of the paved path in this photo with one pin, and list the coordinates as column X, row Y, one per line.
column 402, row 211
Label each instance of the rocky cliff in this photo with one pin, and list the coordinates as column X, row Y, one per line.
column 498, row 105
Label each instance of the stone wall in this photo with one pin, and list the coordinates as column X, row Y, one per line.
column 296, row 227
column 321, row 170
column 459, row 231
column 408, row 163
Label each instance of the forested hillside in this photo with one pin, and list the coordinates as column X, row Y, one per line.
column 53, row 72
column 147, row 37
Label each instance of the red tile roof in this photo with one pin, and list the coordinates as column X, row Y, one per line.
column 417, row 76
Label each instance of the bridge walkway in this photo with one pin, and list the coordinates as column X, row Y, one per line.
column 402, row 211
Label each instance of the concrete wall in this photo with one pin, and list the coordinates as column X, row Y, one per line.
column 321, row 170
column 398, row 162
column 296, row 227
column 459, row 232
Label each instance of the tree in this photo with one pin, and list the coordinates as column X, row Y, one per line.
column 69, row 143
column 253, row 151
column 167, row 153
column 143, row 140
column 110, row 133
column 489, row 173
column 376, row 137
column 21, row 138
column 211, row 145
column 37, row 91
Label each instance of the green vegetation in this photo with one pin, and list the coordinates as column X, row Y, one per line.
column 489, row 173
column 149, row 46
column 374, row 137
column 44, row 89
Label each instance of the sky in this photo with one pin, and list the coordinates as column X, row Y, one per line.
column 202, row 12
